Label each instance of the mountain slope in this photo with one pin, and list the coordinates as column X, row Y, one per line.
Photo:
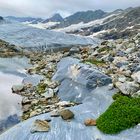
column 82, row 17
column 114, row 25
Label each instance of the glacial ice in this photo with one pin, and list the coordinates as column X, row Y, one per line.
column 34, row 38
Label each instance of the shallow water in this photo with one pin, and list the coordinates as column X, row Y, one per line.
column 12, row 72
column 9, row 103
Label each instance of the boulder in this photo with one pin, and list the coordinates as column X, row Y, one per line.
column 78, row 80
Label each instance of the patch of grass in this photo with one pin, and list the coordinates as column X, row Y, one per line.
column 41, row 88
column 117, row 95
column 95, row 62
column 104, row 49
column 124, row 113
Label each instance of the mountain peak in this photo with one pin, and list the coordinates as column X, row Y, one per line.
column 55, row 18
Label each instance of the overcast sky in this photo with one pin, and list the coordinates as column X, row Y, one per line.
column 46, row 8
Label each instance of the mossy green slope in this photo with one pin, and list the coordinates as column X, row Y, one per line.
column 124, row 113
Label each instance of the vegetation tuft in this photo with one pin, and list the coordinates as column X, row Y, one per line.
column 124, row 113
column 95, row 62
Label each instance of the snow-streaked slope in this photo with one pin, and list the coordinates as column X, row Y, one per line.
column 29, row 37
column 81, row 25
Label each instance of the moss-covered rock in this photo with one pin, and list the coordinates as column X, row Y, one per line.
column 124, row 113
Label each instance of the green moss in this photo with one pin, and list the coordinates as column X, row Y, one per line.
column 117, row 95
column 104, row 49
column 41, row 88
column 95, row 62
column 124, row 113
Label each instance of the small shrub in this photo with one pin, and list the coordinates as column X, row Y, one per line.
column 124, row 113
column 41, row 88
column 104, row 49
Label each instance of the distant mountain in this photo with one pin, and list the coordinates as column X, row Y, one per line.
column 21, row 19
column 82, row 17
column 55, row 18
column 113, row 25
column 9, row 122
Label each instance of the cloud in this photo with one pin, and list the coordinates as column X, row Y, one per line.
column 45, row 8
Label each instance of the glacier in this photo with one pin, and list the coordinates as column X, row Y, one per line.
column 94, row 102
column 34, row 38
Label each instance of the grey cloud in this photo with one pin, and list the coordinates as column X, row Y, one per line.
column 45, row 8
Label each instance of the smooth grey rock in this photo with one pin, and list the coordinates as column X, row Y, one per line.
column 77, row 79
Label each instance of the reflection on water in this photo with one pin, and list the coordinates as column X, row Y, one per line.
column 11, row 73
column 9, row 103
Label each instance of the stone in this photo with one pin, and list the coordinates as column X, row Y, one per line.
column 40, row 126
column 74, row 50
column 55, row 113
column 26, row 107
column 136, row 76
column 49, row 93
column 66, row 114
column 136, row 94
column 64, row 104
column 17, row 88
column 110, row 86
column 127, row 88
column 120, row 60
column 33, row 113
column 90, row 122
column 122, row 79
